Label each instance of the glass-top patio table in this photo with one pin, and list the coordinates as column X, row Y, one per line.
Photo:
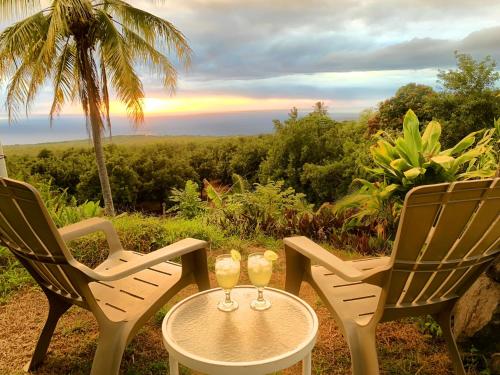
column 243, row 341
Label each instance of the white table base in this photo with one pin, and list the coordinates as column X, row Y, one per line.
column 174, row 365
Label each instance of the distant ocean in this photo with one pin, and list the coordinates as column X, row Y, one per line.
column 36, row 129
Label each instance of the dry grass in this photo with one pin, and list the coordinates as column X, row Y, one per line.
column 402, row 348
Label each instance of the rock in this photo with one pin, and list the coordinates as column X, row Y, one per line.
column 477, row 318
column 494, row 270
column 476, row 308
column 494, row 364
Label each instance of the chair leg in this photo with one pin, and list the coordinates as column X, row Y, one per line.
column 200, row 270
column 57, row 308
column 361, row 340
column 296, row 265
column 110, row 347
column 444, row 320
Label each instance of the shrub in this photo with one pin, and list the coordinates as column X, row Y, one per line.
column 62, row 207
column 12, row 275
column 144, row 234
column 269, row 209
column 188, row 203
column 416, row 159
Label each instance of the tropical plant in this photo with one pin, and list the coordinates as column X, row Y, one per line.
column 187, row 202
column 417, row 159
column 62, row 207
column 269, row 209
column 85, row 47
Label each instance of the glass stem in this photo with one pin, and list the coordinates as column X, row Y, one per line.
column 228, row 297
column 260, row 296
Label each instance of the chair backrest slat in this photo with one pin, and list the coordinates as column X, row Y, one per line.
column 421, row 213
column 477, row 229
column 27, row 230
column 448, row 234
column 19, row 221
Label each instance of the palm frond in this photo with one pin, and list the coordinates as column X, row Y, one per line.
column 105, row 94
column 153, row 29
column 19, row 38
column 20, row 45
column 10, row 9
column 119, row 64
column 151, row 58
column 64, row 80
column 18, row 88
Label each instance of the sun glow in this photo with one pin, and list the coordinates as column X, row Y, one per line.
column 209, row 104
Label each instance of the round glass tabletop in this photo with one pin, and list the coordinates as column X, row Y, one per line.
column 196, row 328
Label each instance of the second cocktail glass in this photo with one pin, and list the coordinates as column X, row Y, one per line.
column 227, row 272
column 260, row 270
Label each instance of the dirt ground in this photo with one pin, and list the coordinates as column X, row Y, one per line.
column 402, row 348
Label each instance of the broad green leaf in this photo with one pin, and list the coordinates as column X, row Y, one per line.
column 407, row 152
column 213, row 195
column 383, row 152
column 460, row 146
column 480, row 173
column 430, row 138
column 469, row 155
column 374, row 171
column 411, row 133
column 413, row 173
column 400, row 164
column 388, row 190
column 240, row 185
column 443, row 160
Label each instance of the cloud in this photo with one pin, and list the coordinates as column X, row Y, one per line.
column 318, row 54
column 260, row 38
column 351, row 50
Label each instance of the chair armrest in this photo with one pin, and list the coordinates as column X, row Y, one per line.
column 96, row 224
column 174, row 250
column 321, row 256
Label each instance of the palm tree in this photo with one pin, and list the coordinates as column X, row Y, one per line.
column 320, row 107
column 81, row 47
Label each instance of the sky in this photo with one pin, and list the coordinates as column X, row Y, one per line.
column 261, row 54
column 252, row 55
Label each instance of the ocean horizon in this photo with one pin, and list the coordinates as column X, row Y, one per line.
column 36, row 129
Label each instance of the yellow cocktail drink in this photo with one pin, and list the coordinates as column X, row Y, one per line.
column 260, row 270
column 227, row 273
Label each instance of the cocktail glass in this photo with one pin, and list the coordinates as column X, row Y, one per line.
column 227, row 273
column 260, row 270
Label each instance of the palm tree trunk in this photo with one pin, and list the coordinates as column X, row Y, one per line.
column 102, row 171
column 91, row 100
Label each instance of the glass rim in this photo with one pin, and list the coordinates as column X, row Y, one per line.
column 261, row 253
column 222, row 256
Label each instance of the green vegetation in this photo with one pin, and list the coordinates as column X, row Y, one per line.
column 268, row 209
column 234, row 191
column 415, row 159
column 316, row 155
column 468, row 101
column 66, row 42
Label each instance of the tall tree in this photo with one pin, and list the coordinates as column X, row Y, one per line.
column 469, row 101
column 320, row 108
column 81, row 47
column 411, row 96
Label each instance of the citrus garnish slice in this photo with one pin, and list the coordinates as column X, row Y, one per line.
column 270, row 255
column 235, row 254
